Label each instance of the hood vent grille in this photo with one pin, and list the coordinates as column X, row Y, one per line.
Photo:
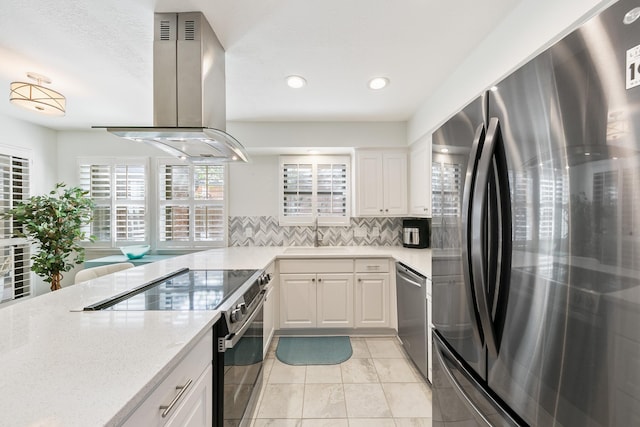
column 189, row 30
column 189, row 106
column 165, row 30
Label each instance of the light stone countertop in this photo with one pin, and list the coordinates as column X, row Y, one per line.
column 64, row 367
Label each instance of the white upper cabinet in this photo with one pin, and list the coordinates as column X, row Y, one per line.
column 381, row 182
column 420, row 178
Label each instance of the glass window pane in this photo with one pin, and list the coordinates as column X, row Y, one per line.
column 209, row 223
column 174, row 182
column 174, row 223
column 209, row 182
column 130, row 223
column 130, row 182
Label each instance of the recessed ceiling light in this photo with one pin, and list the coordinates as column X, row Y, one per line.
column 587, row 154
column 377, row 83
column 444, row 150
column 296, row 82
column 313, row 151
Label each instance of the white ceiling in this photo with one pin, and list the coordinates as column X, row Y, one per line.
column 98, row 53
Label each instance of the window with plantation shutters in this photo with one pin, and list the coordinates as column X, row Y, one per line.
column 314, row 188
column 191, row 205
column 118, row 187
column 15, row 252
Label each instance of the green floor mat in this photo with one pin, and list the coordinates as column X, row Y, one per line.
column 313, row 350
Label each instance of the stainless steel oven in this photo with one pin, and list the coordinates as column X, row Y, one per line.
column 238, row 376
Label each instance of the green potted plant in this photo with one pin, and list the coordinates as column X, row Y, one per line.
column 54, row 221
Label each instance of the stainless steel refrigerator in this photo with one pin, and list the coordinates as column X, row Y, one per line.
column 536, row 239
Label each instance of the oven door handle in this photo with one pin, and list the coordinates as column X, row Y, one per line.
column 231, row 340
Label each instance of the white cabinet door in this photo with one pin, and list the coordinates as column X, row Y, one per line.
column 335, row 300
column 298, row 300
column 192, row 406
column 420, row 179
column 196, row 410
column 394, row 169
column 268, row 323
column 381, row 182
column 372, row 300
column 369, row 183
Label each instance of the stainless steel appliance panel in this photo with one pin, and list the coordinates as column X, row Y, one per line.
column 412, row 315
column 454, row 312
column 460, row 399
column 570, row 129
column 243, row 374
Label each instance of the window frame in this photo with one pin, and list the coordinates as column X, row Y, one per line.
column 192, row 203
column 114, row 202
column 314, row 218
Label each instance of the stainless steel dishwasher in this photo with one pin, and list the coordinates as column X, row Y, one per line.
column 412, row 314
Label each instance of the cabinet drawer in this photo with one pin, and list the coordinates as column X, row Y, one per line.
column 190, row 368
column 335, row 265
column 372, row 265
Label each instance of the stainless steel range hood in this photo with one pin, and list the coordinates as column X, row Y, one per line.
column 189, row 107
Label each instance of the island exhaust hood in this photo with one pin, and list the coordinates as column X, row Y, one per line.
column 189, row 106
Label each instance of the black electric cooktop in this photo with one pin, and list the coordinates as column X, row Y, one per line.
column 184, row 290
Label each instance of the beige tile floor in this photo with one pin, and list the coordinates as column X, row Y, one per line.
column 377, row 386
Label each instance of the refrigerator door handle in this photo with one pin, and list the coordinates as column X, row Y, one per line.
column 502, row 238
column 467, row 210
column 479, row 235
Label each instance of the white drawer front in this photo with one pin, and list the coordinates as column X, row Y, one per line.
column 334, row 265
column 372, row 265
column 190, row 368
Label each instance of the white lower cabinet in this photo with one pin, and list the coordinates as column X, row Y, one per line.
column 185, row 396
column 268, row 322
column 372, row 293
column 372, row 296
column 298, row 301
column 316, row 300
column 334, row 300
column 326, row 293
column 270, row 309
column 196, row 408
column 316, row 293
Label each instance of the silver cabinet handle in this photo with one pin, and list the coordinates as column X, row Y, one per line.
column 167, row 408
column 373, row 267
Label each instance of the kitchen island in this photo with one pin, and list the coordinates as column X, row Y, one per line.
column 65, row 367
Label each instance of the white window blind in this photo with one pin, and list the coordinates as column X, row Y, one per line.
column 297, row 184
column 118, row 188
column 446, row 189
column 191, row 205
column 15, row 270
column 314, row 188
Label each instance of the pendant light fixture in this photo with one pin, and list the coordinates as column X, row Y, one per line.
column 36, row 97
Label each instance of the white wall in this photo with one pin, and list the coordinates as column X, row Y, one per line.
column 42, row 146
column 532, row 26
column 98, row 142
column 254, row 187
column 269, row 135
